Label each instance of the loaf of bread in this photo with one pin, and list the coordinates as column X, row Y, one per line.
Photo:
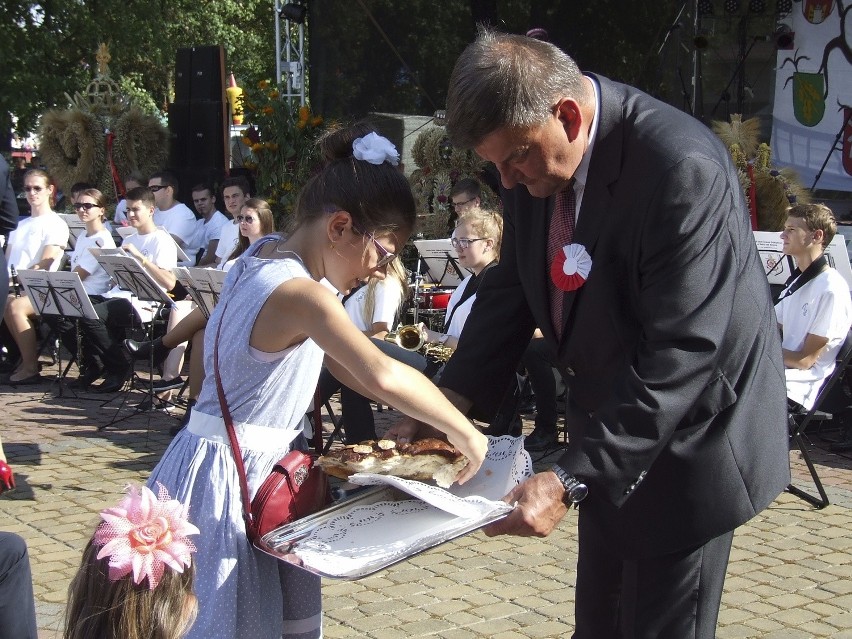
column 423, row 460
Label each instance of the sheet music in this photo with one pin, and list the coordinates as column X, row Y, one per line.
column 75, row 228
column 129, row 275
column 778, row 266
column 203, row 284
column 37, row 287
column 441, row 261
column 59, row 293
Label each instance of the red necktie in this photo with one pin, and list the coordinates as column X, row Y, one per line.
column 560, row 234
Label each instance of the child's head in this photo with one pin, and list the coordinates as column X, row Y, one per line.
column 135, row 580
column 481, row 223
column 361, row 177
column 816, row 217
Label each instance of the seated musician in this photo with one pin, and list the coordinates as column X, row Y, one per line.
column 476, row 239
column 117, row 309
column 37, row 243
column 814, row 311
column 90, row 205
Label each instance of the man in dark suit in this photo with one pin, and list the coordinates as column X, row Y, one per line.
column 661, row 318
column 8, row 222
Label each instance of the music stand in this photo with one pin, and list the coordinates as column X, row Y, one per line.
column 129, row 275
column 204, row 286
column 441, row 261
column 75, row 228
column 60, row 294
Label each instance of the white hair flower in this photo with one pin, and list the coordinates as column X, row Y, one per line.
column 375, row 149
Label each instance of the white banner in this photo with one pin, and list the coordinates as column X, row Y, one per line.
column 813, row 95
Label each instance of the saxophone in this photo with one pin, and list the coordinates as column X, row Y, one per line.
column 413, row 338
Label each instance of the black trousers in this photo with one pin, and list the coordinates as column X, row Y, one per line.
column 673, row 596
column 17, row 606
column 101, row 338
column 356, row 409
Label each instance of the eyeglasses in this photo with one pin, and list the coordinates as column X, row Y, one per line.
column 156, row 187
column 458, row 204
column 85, row 205
column 248, row 219
column 33, row 189
column 386, row 256
column 465, row 242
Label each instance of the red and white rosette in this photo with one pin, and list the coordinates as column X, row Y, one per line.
column 571, row 267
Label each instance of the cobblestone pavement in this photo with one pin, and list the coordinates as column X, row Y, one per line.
column 790, row 574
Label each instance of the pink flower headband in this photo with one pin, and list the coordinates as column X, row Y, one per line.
column 144, row 534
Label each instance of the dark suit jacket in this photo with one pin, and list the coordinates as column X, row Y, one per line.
column 677, row 418
column 8, row 222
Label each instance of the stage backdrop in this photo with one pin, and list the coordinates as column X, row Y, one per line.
column 813, row 94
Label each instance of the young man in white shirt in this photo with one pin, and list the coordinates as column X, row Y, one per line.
column 814, row 312
column 235, row 192
column 118, row 309
column 209, row 227
column 177, row 218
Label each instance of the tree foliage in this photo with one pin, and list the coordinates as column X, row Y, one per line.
column 365, row 55
column 50, row 46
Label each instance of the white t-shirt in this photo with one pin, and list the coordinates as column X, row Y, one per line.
column 27, row 242
column 460, row 316
column 158, row 248
column 180, row 222
column 388, row 298
column 97, row 283
column 209, row 230
column 821, row 307
column 120, row 217
column 229, row 237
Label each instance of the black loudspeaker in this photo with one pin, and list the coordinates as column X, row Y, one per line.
column 179, row 133
column 183, row 75
column 207, row 134
column 200, row 74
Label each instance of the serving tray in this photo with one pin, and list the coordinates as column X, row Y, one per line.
column 393, row 519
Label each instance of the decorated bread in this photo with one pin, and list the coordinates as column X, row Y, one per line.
column 423, row 460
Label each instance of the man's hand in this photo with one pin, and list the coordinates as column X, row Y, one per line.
column 409, row 429
column 539, row 508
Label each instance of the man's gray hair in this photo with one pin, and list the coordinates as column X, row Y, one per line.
column 507, row 80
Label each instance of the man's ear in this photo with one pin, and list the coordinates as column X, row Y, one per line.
column 569, row 114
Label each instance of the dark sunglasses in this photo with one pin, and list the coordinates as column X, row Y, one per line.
column 85, row 205
column 248, row 219
column 157, row 187
column 33, row 189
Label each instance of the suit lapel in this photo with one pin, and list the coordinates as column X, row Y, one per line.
column 604, row 168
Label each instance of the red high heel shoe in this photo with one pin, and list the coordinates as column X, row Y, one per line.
column 7, row 479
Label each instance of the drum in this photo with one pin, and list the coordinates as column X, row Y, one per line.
column 435, row 298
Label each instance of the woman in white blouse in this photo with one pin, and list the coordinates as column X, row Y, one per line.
column 37, row 243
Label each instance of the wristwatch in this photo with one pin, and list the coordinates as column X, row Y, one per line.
column 575, row 490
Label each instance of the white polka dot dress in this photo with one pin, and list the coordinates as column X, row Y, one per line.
column 243, row 593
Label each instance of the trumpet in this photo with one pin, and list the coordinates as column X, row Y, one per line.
column 411, row 337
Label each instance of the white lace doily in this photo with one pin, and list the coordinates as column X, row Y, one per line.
column 362, row 539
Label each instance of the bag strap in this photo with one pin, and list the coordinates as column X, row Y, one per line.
column 232, row 434
column 797, row 281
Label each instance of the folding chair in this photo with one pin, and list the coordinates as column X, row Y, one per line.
column 798, row 422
